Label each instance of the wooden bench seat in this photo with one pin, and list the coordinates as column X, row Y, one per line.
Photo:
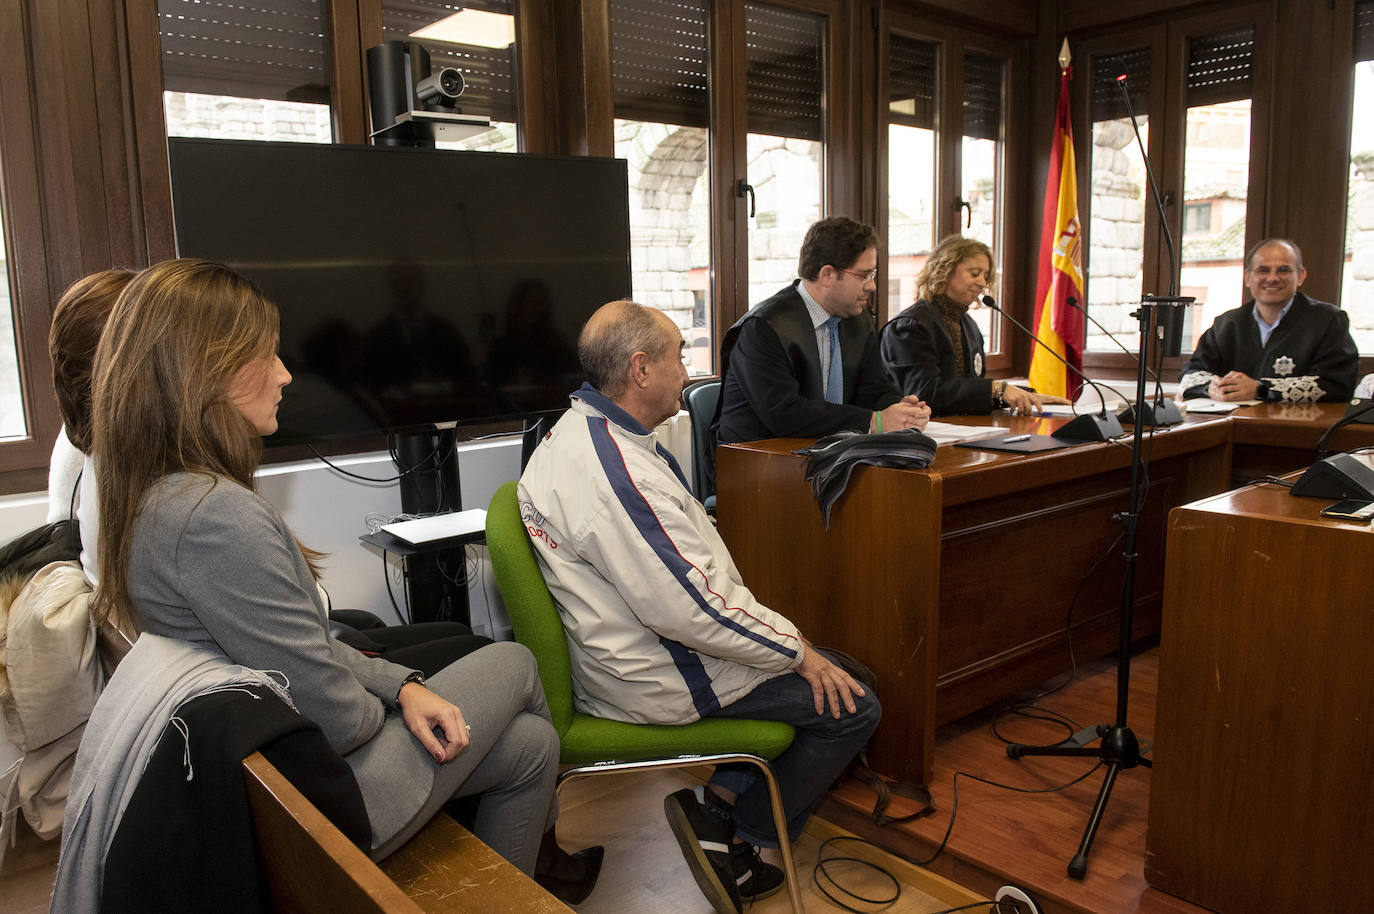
column 311, row 867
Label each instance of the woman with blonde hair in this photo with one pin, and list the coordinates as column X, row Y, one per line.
column 186, row 381
column 934, row 349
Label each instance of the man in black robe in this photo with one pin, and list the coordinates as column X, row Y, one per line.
column 1280, row 345
column 780, row 378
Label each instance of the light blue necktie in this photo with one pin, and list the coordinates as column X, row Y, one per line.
column 834, row 382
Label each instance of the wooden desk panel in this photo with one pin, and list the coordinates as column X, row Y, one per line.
column 953, row 582
column 1260, row 794
column 1278, row 438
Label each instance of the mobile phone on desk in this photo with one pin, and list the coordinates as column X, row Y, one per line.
column 1355, row 509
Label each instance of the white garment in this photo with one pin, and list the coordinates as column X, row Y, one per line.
column 66, row 466
column 661, row 628
column 1366, row 386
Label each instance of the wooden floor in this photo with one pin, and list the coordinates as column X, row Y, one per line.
column 644, row 870
column 1002, row 837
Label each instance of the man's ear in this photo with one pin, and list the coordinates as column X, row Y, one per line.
column 639, row 369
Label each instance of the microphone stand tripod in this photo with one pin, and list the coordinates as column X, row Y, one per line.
column 1118, row 747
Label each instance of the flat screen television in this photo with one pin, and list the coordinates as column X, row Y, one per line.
column 415, row 286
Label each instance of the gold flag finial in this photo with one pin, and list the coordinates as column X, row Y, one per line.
column 1065, row 58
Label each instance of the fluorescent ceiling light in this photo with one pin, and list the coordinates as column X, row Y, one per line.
column 488, row 30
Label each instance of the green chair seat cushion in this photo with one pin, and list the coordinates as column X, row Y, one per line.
column 594, row 739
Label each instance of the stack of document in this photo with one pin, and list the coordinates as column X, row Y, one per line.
column 440, row 526
column 949, row 433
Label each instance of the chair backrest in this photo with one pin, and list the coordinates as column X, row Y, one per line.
column 701, row 399
column 533, row 616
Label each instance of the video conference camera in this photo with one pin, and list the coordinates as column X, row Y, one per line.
column 442, row 88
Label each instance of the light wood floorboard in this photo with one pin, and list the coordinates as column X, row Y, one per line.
column 644, row 871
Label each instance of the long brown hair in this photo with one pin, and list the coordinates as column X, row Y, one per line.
column 77, row 324
column 177, row 336
column 948, row 254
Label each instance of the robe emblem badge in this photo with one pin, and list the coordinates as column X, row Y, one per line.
column 1283, row 366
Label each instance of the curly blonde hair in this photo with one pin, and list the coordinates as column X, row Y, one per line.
column 948, row 254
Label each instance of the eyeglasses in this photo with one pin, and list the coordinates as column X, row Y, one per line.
column 866, row 277
column 1284, row 271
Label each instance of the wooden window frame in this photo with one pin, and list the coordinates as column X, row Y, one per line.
column 1166, row 146
column 1017, row 290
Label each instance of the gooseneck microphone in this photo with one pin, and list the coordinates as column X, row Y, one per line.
column 1162, row 411
column 1340, row 475
column 1088, row 426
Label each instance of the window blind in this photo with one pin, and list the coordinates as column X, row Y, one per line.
column 784, row 77
column 1107, row 103
column 273, row 49
column 913, row 81
column 659, row 62
column 1220, row 67
column 982, row 103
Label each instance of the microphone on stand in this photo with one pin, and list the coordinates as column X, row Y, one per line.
column 1162, row 411
column 1340, row 475
column 1089, row 426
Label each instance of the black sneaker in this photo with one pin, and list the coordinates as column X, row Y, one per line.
column 704, row 838
column 754, row 879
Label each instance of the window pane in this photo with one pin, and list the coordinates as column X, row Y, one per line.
column 478, row 40
column 912, row 108
column 256, row 70
column 786, row 99
column 1216, row 176
column 658, row 51
column 1116, row 211
column 12, row 424
column 1357, row 281
column 981, row 166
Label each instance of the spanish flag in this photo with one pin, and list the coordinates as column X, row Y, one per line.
column 1060, row 277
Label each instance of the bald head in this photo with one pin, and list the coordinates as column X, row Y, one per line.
column 612, row 336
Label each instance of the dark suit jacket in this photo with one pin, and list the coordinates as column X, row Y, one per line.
column 771, row 379
column 918, row 353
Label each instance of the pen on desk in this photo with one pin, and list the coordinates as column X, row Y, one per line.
column 1015, row 438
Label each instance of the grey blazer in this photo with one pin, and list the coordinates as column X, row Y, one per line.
column 211, row 561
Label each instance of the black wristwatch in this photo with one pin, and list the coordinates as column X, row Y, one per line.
column 415, row 676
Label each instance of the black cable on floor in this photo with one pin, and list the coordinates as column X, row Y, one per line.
column 954, row 812
column 820, row 870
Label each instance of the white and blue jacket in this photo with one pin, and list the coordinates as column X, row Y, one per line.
column 660, row 627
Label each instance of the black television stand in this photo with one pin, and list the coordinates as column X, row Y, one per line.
column 436, row 573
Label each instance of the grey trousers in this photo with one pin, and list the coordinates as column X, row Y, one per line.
column 512, row 760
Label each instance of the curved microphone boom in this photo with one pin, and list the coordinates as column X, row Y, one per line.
column 1099, row 426
column 1340, row 475
column 1162, row 411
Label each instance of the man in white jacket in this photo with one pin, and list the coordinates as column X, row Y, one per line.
column 660, row 627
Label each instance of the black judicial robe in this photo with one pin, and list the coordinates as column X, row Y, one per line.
column 1310, row 355
column 771, row 375
column 918, row 352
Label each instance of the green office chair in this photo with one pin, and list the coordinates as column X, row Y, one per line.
column 598, row 746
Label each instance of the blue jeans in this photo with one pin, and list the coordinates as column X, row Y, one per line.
column 819, row 753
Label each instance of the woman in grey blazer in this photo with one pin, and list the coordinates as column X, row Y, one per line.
column 186, row 381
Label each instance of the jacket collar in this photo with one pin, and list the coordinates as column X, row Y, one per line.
column 606, row 406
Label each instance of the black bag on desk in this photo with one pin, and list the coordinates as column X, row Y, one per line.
column 859, row 767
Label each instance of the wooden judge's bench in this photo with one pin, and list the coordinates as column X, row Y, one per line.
column 956, row 583
column 1260, row 795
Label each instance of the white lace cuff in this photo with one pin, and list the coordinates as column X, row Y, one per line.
column 1195, row 378
column 1303, row 389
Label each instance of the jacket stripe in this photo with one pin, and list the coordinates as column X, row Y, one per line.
column 647, row 523
column 694, row 675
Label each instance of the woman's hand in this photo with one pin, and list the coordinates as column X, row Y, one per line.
column 424, row 713
column 1019, row 400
